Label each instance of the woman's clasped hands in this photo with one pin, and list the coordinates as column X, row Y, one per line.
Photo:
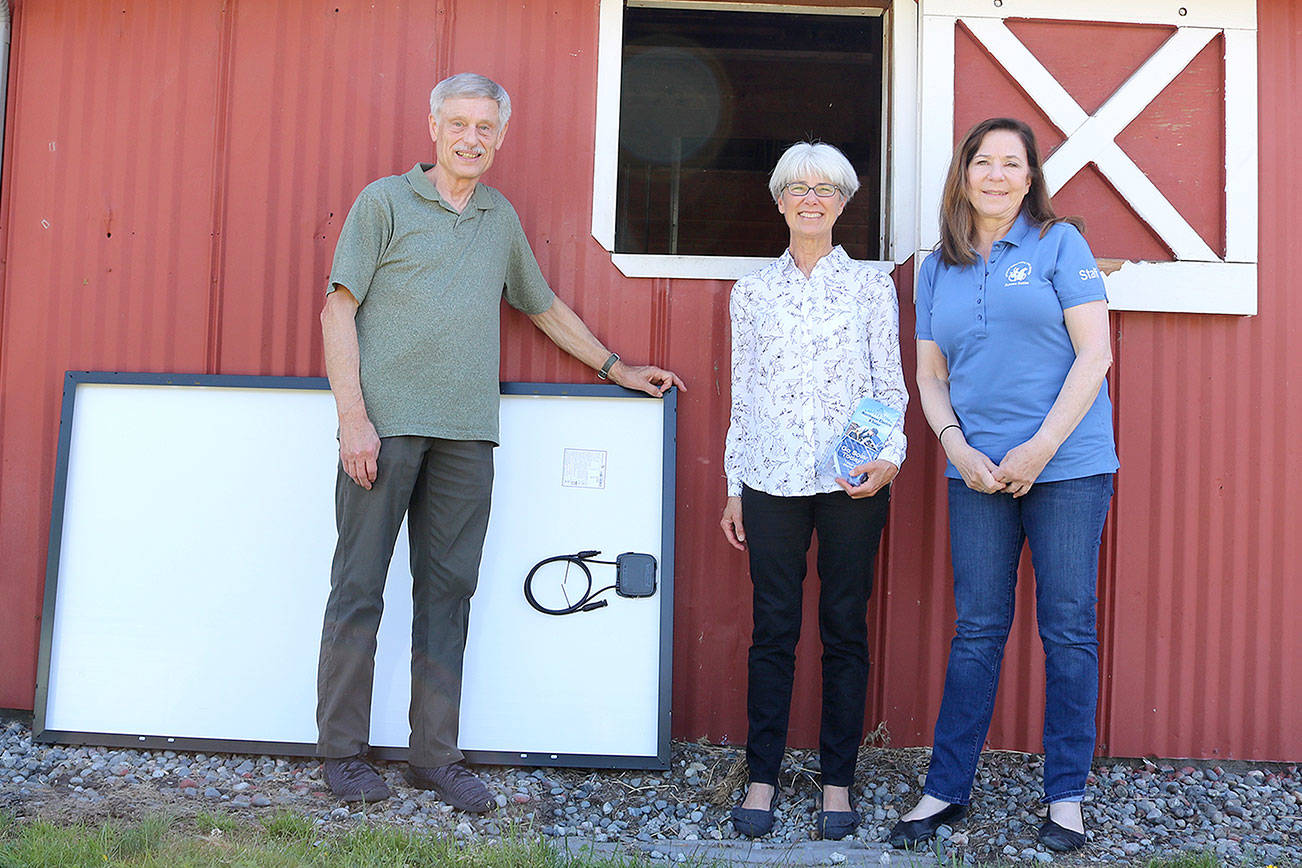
column 1014, row 475
column 1023, row 465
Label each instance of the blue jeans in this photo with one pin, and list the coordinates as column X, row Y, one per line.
column 1063, row 522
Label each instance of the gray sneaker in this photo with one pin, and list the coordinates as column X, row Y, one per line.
column 352, row 780
column 455, row 784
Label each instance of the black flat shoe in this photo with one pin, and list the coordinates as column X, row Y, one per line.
column 907, row 834
column 752, row 822
column 835, row 825
column 1060, row 838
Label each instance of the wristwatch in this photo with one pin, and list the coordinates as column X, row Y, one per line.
column 604, row 373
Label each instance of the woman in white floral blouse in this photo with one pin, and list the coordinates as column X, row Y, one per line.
column 812, row 333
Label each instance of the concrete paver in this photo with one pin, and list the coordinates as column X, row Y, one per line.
column 735, row 852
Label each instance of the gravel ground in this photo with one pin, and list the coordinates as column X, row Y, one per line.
column 1248, row 814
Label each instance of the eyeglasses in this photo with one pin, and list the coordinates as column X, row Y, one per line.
column 822, row 191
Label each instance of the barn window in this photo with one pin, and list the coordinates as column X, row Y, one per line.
column 696, row 102
column 710, row 99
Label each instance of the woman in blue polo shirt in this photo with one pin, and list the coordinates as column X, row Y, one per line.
column 1013, row 351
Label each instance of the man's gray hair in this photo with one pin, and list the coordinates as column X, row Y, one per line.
column 470, row 84
column 809, row 160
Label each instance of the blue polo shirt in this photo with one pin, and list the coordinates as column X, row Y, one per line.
column 1001, row 329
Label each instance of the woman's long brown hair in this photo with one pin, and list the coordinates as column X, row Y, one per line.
column 956, row 223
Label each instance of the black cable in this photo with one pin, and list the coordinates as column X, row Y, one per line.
column 587, row 602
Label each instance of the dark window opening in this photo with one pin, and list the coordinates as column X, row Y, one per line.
column 710, row 100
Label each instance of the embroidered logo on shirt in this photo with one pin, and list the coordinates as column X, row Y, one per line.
column 1018, row 274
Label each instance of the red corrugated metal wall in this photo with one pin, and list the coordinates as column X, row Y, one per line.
column 175, row 179
column 1207, row 652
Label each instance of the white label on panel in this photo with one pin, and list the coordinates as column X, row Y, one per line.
column 584, row 468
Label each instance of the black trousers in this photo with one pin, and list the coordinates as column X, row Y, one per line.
column 778, row 534
column 443, row 487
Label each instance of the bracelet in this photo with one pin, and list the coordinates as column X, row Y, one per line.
column 604, row 373
column 947, row 427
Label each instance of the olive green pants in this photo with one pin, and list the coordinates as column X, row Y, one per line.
column 443, row 487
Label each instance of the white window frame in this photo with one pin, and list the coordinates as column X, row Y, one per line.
column 899, row 140
column 1198, row 280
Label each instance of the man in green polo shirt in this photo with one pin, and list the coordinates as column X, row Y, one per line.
column 411, row 328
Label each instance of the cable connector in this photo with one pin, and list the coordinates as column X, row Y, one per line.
column 634, row 577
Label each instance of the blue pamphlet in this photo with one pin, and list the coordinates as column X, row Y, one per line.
column 871, row 423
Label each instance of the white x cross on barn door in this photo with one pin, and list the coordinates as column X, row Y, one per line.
column 1202, row 274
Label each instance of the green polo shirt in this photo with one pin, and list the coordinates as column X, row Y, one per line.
column 429, row 283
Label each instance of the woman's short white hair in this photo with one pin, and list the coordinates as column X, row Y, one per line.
column 805, row 160
column 470, row 84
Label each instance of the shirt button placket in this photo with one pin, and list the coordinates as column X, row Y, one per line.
column 807, row 360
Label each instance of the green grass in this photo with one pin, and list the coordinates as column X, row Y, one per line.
column 279, row 841
column 206, row 822
column 1186, row 860
column 290, row 840
column 288, row 826
column 1208, row 859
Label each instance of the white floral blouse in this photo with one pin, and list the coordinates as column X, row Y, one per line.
column 804, row 351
